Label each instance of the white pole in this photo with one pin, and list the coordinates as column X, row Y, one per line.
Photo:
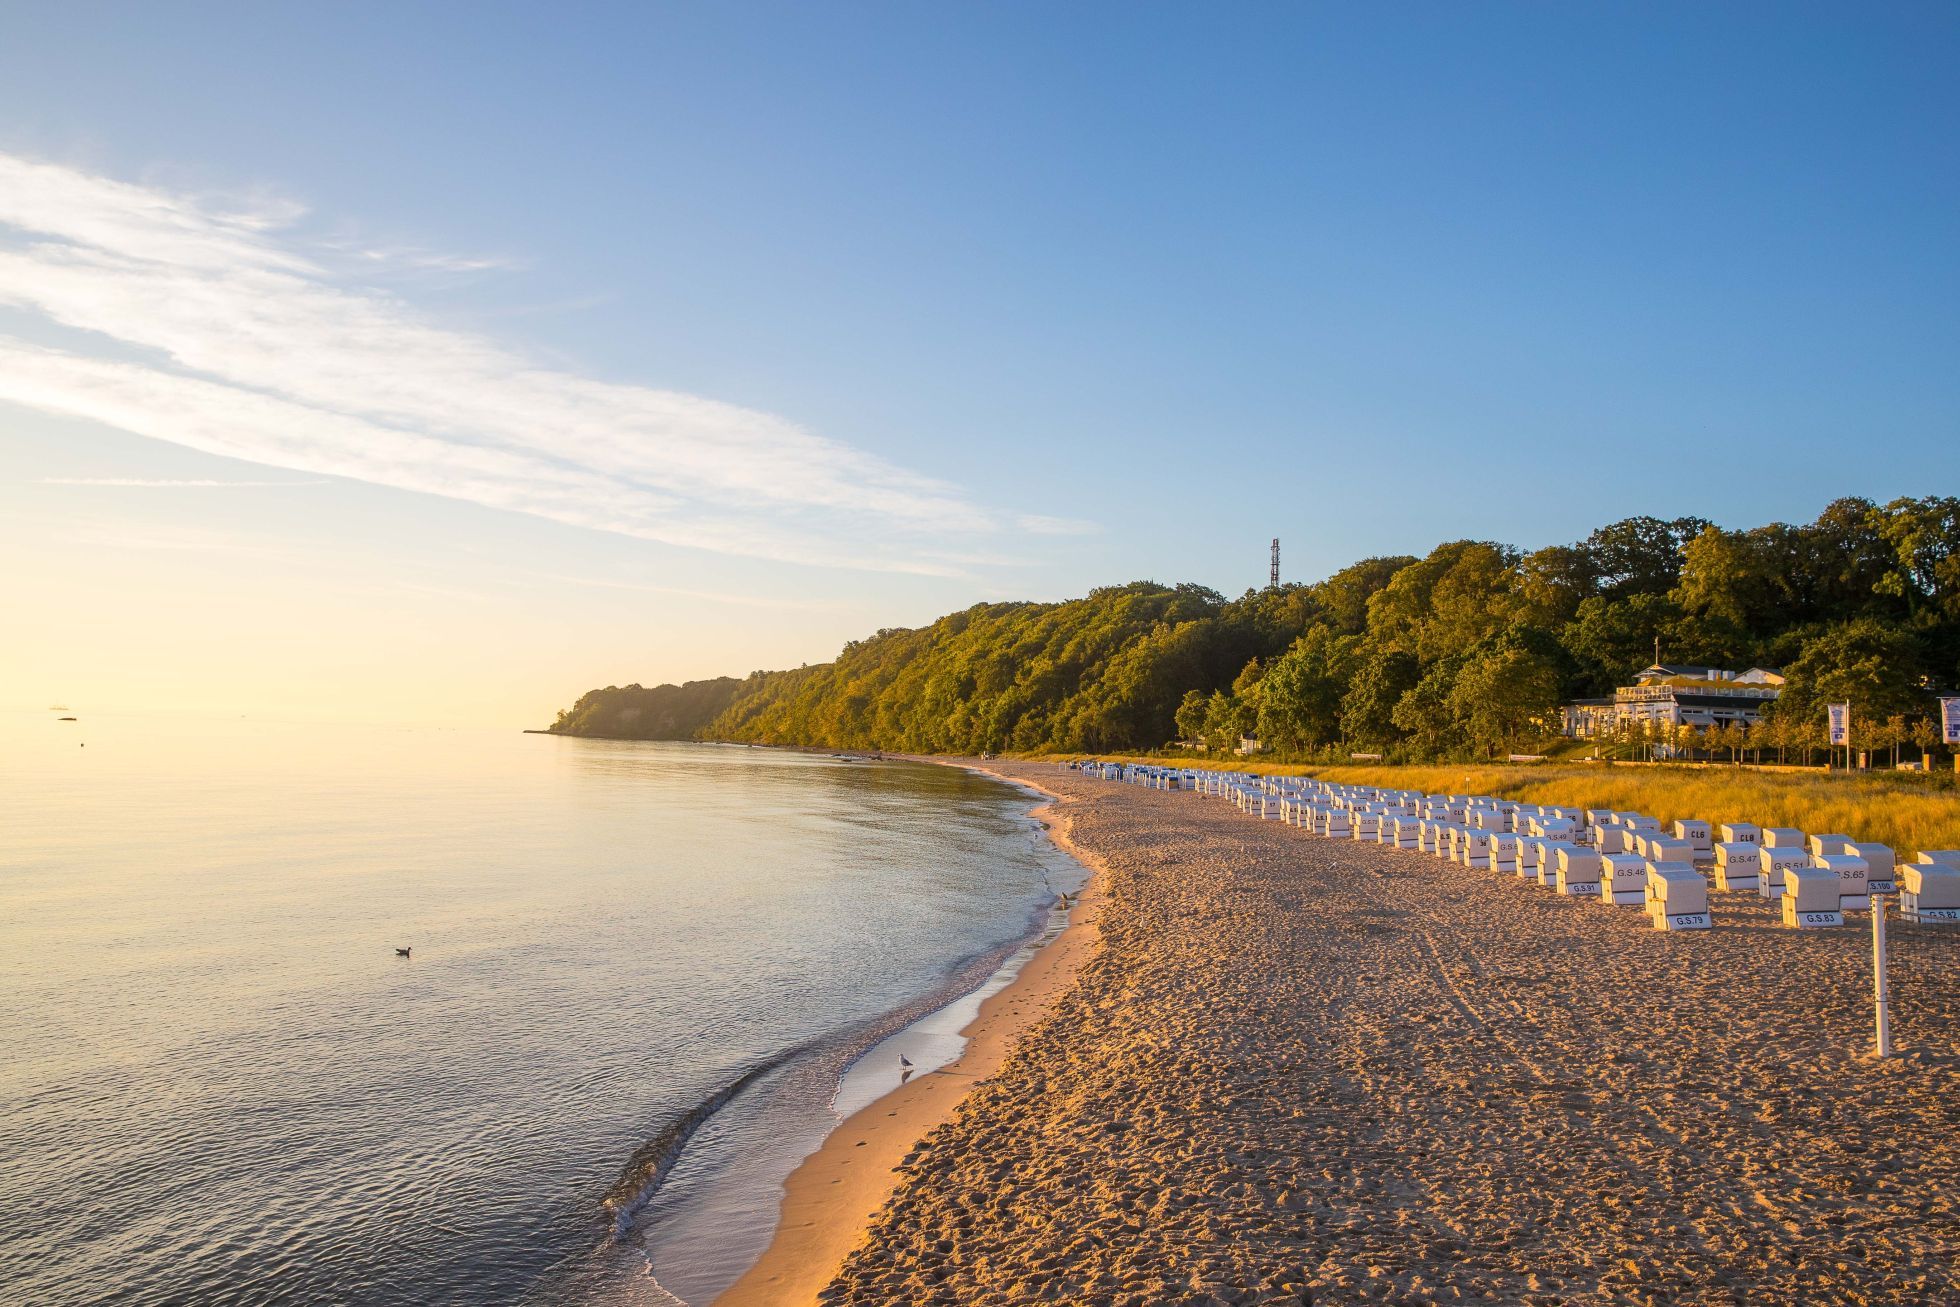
column 1879, row 987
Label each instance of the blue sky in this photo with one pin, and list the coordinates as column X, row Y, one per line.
column 791, row 322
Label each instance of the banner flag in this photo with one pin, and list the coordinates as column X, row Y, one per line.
column 1950, row 720
column 1840, row 722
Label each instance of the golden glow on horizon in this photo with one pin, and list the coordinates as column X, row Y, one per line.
column 194, row 601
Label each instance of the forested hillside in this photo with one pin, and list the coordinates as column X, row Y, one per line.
column 1463, row 652
column 632, row 712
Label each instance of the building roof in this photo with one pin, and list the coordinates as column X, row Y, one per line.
column 1693, row 671
column 1696, row 672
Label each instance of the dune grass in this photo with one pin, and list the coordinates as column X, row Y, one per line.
column 1905, row 811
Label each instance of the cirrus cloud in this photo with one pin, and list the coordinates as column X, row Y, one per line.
column 175, row 483
column 224, row 333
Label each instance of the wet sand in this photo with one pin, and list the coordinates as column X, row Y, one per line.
column 1296, row 1070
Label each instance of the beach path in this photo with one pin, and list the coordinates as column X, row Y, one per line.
column 1296, row 1069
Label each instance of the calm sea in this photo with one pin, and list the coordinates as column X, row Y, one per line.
column 638, row 972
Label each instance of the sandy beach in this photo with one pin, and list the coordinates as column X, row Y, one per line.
column 1295, row 1070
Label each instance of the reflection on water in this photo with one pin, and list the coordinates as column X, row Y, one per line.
column 223, row 1086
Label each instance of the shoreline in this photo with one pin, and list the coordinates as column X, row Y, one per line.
column 831, row 1197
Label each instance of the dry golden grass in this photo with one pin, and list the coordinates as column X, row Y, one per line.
column 1907, row 812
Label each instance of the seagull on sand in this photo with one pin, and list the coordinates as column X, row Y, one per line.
column 403, row 952
column 905, row 1061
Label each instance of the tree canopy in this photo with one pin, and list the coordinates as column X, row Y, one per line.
column 632, row 712
column 1466, row 651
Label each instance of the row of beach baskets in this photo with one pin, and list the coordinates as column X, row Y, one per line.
column 1622, row 858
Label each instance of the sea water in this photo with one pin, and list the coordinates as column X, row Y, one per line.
column 638, row 973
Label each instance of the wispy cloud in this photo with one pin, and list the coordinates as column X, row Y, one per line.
column 146, row 483
column 431, row 261
column 1034, row 524
column 232, row 337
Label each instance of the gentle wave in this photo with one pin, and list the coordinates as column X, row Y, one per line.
column 653, row 1161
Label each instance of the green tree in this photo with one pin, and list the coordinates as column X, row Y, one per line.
column 1343, row 597
column 1227, row 720
column 1853, row 561
column 1896, row 733
column 1925, row 736
column 1505, row 697
column 1300, row 698
column 1380, row 680
column 1924, row 538
column 1247, row 694
column 1611, row 639
column 1445, row 604
column 1725, row 577
column 1549, row 585
column 1191, row 715
column 1427, row 714
column 1868, row 664
column 1640, row 555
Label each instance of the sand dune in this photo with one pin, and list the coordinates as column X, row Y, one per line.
column 1302, row 1070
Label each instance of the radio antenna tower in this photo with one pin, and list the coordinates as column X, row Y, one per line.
column 1273, row 584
